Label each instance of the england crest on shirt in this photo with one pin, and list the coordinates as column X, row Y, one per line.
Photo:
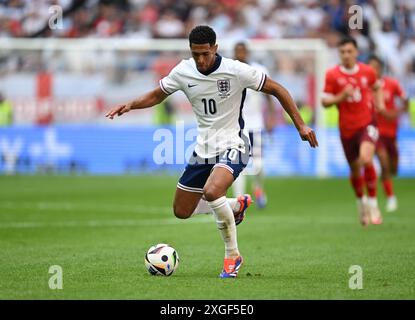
column 224, row 86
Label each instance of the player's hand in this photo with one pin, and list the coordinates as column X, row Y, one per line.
column 405, row 108
column 307, row 134
column 347, row 91
column 118, row 110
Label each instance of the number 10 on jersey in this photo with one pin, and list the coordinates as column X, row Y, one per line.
column 209, row 106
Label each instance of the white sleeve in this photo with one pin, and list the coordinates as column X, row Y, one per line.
column 170, row 83
column 250, row 77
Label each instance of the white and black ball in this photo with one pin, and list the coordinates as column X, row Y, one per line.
column 161, row 260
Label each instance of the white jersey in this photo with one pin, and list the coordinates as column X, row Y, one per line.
column 253, row 112
column 217, row 99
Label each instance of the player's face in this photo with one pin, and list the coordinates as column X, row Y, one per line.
column 348, row 55
column 376, row 65
column 204, row 55
column 241, row 53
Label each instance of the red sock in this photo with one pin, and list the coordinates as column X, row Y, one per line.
column 357, row 184
column 370, row 179
column 388, row 187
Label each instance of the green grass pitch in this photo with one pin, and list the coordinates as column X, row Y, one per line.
column 99, row 228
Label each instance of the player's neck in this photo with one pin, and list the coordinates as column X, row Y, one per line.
column 349, row 69
column 214, row 66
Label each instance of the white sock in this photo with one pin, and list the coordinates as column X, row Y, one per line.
column 372, row 202
column 226, row 225
column 392, row 198
column 234, row 203
column 204, row 208
column 362, row 200
column 239, row 185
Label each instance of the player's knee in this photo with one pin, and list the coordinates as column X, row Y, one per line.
column 181, row 212
column 211, row 193
column 366, row 159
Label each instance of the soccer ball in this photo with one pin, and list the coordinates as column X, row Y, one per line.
column 161, row 260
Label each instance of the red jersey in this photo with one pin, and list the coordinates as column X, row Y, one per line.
column 355, row 112
column 391, row 90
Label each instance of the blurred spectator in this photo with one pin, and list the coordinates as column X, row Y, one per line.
column 388, row 43
column 389, row 22
column 169, row 26
column 388, row 29
column 165, row 111
column 6, row 112
column 109, row 22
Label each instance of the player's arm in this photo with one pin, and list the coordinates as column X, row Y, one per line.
column 379, row 97
column 395, row 113
column 329, row 100
column 147, row 100
column 273, row 88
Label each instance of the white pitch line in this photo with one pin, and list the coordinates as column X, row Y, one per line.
column 102, row 223
column 68, row 206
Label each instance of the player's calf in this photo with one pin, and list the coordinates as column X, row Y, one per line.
column 185, row 203
column 182, row 212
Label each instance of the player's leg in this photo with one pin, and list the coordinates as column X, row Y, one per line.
column 257, row 166
column 188, row 199
column 386, row 156
column 393, row 156
column 383, row 157
column 357, row 181
column 189, row 191
column 215, row 193
column 366, row 153
column 393, row 153
column 259, row 188
column 351, row 151
column 187, row 202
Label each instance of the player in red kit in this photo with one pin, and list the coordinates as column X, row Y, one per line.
column 387, row 121
column 351, row 86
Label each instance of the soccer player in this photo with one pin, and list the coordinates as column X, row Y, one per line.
column 254, row 123
column 349, row 86
column 216, row 87
column 387, row 121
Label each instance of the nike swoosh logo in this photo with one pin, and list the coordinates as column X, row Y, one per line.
column 191, row 85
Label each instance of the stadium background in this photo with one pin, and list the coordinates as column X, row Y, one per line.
column 58, row 94
column 85, row 193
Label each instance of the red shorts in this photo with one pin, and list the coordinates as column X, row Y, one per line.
column 351, row 146
column 389, row 144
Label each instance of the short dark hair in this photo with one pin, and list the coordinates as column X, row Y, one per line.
column 347, row 40
column 202, row 35
column 377, row 59
column 241, row 44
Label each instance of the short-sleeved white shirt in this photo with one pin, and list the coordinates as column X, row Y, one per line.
column 217, row 99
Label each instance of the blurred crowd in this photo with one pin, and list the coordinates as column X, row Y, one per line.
column 388, row 26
